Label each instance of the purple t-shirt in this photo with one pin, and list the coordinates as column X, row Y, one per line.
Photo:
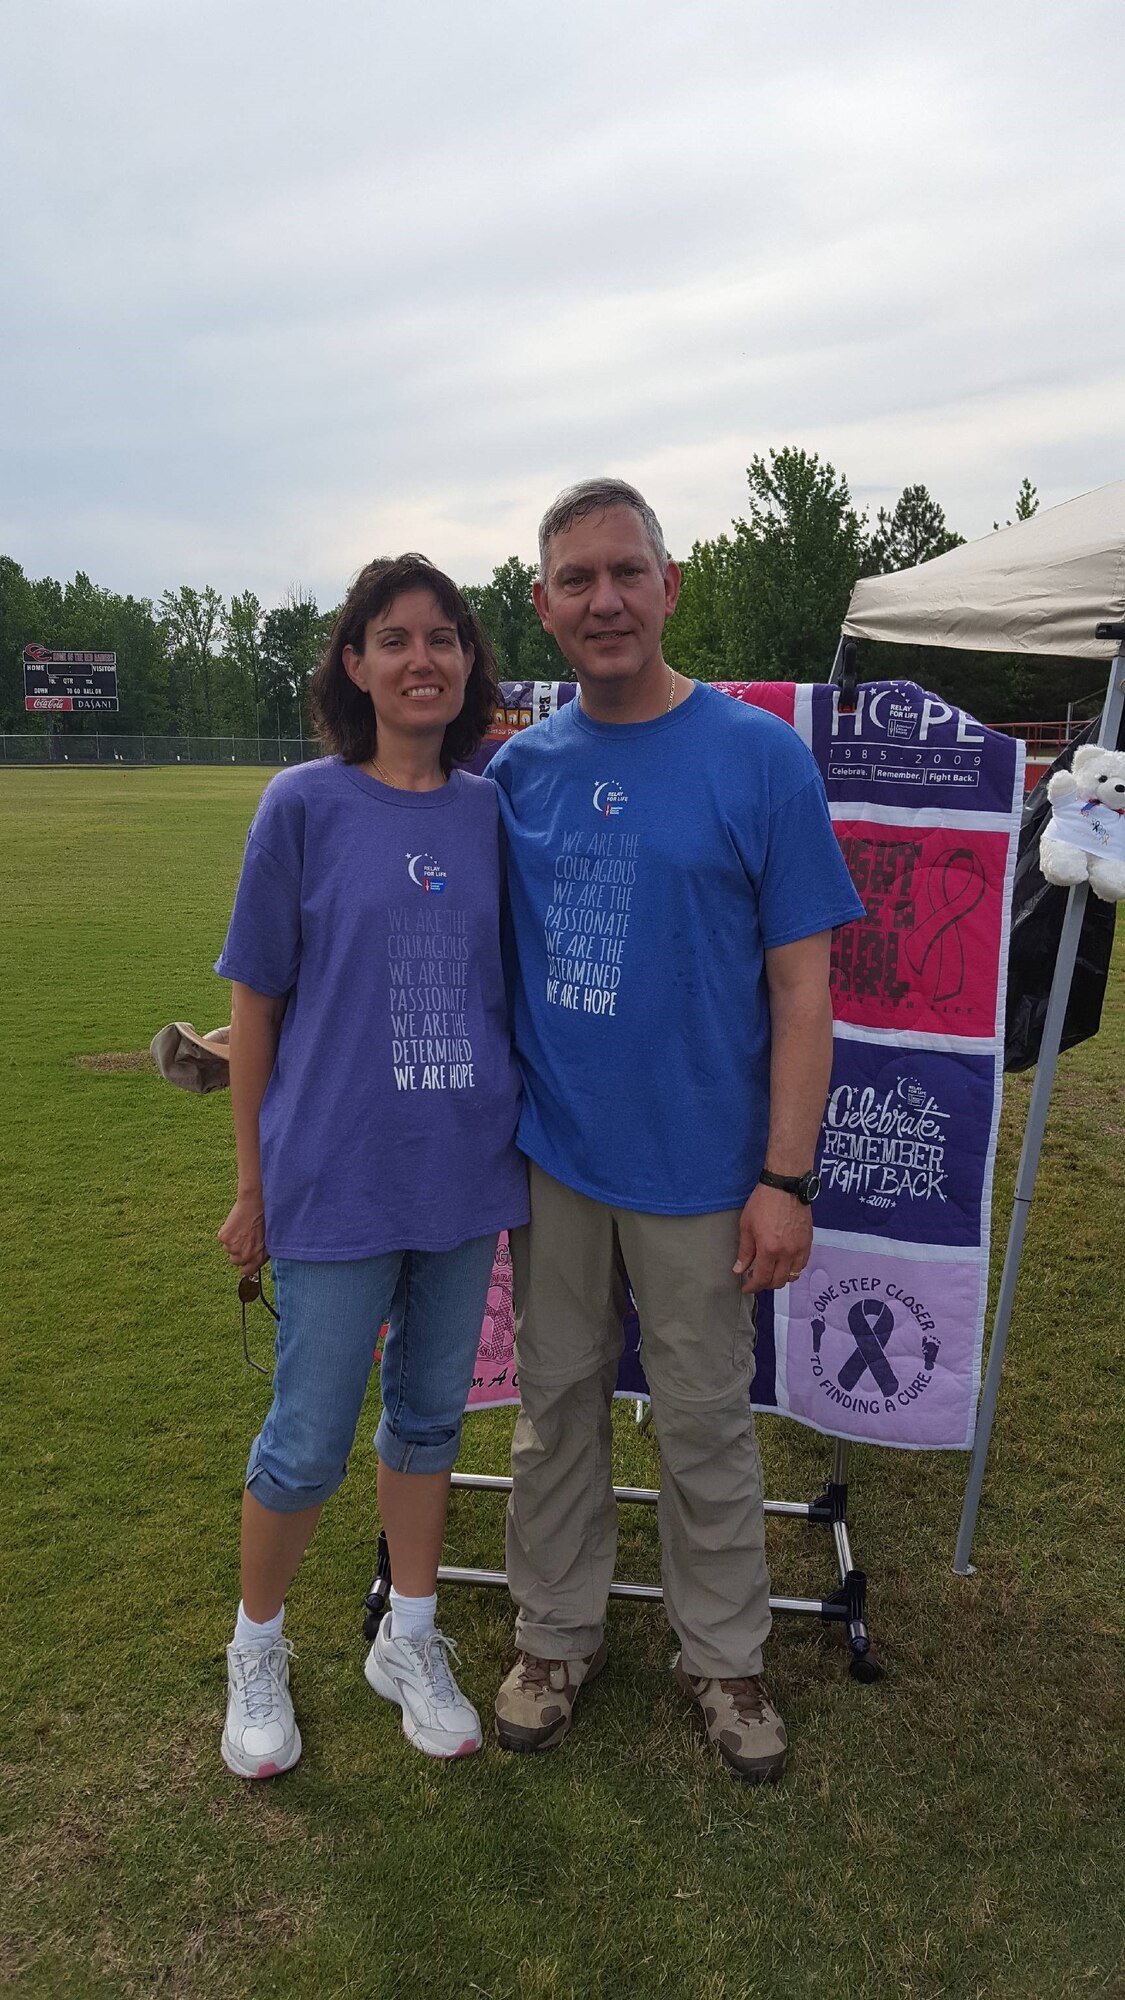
column 389, row 1120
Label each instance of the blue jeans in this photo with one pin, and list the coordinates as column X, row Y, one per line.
column 330, row 1315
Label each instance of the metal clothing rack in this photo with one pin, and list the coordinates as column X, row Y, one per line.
column 845, row 1606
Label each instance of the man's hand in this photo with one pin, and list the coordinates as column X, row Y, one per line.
column 774, row 1240
column 243, row 1234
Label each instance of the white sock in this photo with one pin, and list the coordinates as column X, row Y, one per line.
column 412, row 1617
column 247, row 1633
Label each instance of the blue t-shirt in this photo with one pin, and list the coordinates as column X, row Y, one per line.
column 650, row 865
column 389, row 1120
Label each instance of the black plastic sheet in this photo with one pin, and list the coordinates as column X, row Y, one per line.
column 1038, row 908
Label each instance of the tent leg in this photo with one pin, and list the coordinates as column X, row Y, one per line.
column 1029, row 1160
column 1025, row 1188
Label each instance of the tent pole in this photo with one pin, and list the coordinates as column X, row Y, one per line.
column 1029, row 1155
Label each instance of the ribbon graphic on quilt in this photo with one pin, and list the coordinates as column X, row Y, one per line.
column 958, row 892
column 880, row 1338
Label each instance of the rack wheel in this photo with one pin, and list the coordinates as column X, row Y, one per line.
column 377, row 1602
column 865, row 1667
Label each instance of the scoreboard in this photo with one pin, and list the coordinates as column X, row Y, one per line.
column 68, row 682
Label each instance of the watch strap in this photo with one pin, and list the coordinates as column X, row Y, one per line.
column 805, row 1186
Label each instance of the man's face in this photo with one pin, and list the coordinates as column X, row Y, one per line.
column 606, row 599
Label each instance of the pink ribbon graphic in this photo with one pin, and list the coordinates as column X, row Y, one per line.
column 934, row 950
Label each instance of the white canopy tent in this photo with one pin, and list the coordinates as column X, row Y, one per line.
column 1052, row 584
column 1040, row 586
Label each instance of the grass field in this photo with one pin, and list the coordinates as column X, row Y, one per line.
column 955, row 1829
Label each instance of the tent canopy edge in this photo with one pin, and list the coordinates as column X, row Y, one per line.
column 1039, row 586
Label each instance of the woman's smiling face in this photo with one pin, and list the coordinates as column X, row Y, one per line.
column 413, row 665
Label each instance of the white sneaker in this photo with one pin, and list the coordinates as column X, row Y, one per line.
column 261, row 1737
column 416, row 1674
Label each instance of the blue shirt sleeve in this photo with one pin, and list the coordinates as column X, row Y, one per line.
column 497, row 772
column 805, row 885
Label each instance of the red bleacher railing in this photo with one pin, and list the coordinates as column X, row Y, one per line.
column 1044, row 740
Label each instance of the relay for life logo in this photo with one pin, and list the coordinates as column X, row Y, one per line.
column 426, row 873
column 610, row 798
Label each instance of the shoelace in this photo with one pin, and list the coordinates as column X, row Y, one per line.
column 535, row 1674
column 260, row 1678
column 431, row 1655
column 748, row 1698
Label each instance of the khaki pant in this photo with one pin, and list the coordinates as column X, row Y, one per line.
column 698, row 1357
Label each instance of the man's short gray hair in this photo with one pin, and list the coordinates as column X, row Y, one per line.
column 593, row 496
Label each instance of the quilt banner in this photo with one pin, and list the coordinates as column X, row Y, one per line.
column 880, row 1338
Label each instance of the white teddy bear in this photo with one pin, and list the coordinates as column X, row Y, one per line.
column 1085, row 835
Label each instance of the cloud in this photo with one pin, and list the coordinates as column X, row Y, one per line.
column 293, row 288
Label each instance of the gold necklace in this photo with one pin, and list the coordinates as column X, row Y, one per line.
column 374, row 766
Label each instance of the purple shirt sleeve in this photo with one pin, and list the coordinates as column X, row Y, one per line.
column 263, row 943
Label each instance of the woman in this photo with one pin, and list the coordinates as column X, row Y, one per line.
column 375, row 1103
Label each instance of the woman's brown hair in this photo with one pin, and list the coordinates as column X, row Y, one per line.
column 342, row 712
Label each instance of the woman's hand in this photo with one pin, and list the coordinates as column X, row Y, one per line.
column 243, row 1234
column 255, row 1026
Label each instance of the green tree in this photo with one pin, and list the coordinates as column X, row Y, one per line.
column 242, row 665
column 293, row 637
column 1027, row 504
column 1027, row 501
column 134, row 634
column 696, row 638
column 995, row 687
column 19, row 620
column 524, row 652
column 914, row 533
column 83, row 616
column 983, row 683
column 86, row 616
column 793, row 565
column 193, row 623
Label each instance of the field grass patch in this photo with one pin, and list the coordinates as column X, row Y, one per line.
column 956, row 1829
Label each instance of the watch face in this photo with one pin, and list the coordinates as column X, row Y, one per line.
column 809, row 1188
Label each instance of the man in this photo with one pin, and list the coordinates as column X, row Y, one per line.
column 673, row 880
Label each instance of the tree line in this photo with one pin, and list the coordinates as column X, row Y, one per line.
column 764, row 602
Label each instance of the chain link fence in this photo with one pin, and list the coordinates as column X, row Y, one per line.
column 99, row 747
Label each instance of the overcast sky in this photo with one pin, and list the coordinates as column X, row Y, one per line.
column 290, row 286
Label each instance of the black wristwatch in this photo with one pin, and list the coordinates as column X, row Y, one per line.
column 806, row 1187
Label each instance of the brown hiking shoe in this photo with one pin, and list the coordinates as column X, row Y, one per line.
column 535, row 1703
column 742, row 1723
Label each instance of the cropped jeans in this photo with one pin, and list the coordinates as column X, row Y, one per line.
column 330, row 1315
